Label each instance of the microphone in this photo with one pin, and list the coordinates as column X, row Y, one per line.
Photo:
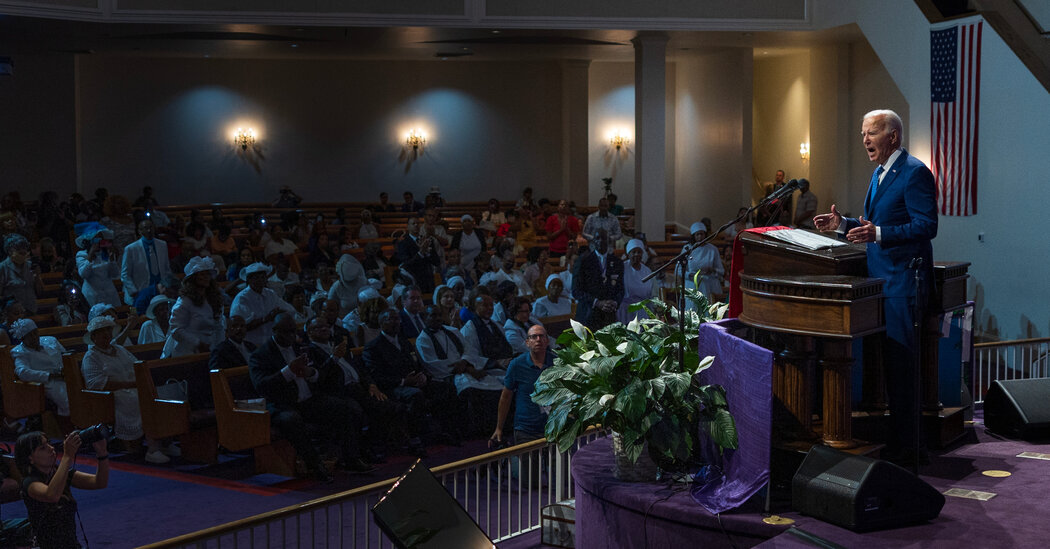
column 782, row 192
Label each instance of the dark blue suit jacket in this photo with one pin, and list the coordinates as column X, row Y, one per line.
column 905, row 210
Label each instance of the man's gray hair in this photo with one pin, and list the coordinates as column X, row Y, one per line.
column 888, row 117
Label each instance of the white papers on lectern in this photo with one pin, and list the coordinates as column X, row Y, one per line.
column 806, row 239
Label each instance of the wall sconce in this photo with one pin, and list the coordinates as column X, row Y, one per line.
column 244, row 138
column 803, row 151
column 416, row 139
column 619, row 139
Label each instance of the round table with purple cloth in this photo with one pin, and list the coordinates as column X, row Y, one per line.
column 611, row 513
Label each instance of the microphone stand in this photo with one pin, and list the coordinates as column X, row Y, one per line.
column 917, row 321
column 681, row 261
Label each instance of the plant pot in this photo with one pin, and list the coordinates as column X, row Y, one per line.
column 643, row 470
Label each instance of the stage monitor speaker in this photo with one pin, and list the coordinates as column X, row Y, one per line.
column 419, row 513
column 861, row 493
column 1018, row 408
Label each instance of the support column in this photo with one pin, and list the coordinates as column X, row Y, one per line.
column 650, row 96
column 575, row 110
column 838, row 412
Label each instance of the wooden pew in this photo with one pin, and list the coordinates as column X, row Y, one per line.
column 174, row 418
column 86, row 407
column 555, row 325
column 241, row 429
column 21, row 398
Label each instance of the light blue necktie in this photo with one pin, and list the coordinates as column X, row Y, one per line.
column 873, row 187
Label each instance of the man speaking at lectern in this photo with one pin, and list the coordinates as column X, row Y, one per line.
column 899, row 221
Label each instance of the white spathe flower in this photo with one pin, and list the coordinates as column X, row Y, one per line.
column 634, row 326
column 588, row 355
column 622, row 347
column 579, row 329
column 605, row 399
column 705, row 363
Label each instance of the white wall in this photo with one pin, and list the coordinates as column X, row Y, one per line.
column 37, row 139
column 713, row 135
column 781, row 116
column 333, row 129
column 611, row 109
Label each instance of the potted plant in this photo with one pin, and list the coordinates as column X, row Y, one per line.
column 629, row 379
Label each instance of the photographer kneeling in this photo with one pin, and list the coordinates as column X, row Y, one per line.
column 46, row 487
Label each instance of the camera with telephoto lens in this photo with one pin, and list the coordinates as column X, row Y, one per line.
column 95, row 433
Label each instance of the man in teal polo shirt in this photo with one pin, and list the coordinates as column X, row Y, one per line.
column 518, row 386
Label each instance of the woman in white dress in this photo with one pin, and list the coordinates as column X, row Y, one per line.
column 634, row 290
column 197, row 323
column 555, row 303
column 159, row 314
column 708, row 262
column 98, row 263
column 109, row 367
column 39, row 359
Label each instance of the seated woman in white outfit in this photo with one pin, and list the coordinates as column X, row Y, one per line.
column 555, row 303
column 159, row 314
column 109, row 367
column 39, row 360
column 705, row 263
column 634, row 290
column 197, row 323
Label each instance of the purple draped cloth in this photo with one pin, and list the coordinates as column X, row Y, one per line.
column 746, row 372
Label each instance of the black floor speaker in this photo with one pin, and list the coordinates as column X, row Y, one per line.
column 1018, row 408
column 861, row 493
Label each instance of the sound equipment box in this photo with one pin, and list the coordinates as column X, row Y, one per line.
column 861, row 493
column 1018, row 408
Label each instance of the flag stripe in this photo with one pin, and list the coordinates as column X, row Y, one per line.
column 955, row 65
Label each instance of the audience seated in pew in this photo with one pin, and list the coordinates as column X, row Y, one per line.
column 110, row 367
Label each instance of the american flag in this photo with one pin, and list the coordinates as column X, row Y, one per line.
column 955, row 91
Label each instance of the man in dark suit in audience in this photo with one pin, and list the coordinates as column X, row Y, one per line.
column 289, row 383
column 330, row 312
column 419, row 257
column 343, row 375
column 411, row 205
column 412, row 312
column 234, row 351
column 598, row 284
column 397, row 370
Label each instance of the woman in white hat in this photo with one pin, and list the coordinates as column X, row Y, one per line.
column 634, row 290
column 156, row 328
column 351, row 279
column 196, row 323
column 109, row 367
column 705, row 266
column 555, row 303
column 98, row 263
column 39, row 360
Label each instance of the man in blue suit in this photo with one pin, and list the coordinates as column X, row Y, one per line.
column 899, row 221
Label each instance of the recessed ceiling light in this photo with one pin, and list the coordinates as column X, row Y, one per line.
column 496, row 32
column 765, row 53
column 295, row 45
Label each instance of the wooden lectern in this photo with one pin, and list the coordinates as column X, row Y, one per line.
column 815, row 295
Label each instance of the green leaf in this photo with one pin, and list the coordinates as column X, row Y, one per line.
column 551, row 395
column 631, row 401
column 723, row 429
